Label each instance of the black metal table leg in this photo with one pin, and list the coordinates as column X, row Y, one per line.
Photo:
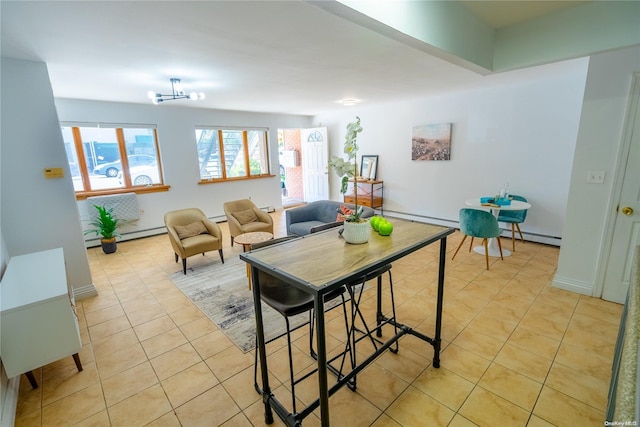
column 437, row 341
column 379, row 309
column 323, row 386
column 266, row 389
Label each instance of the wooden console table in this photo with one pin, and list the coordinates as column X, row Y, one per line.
column 37, row 314
column 370, row 193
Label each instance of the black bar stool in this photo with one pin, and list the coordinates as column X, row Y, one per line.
column 290, row 301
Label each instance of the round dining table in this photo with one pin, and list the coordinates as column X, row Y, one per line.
column 515, row 205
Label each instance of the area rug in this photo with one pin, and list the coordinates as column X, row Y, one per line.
column 222, row 292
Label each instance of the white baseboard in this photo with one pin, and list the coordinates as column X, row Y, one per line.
column 131, row 235
column 86, row 291
column 9, row 402
column 506, row 233
column 573, row 285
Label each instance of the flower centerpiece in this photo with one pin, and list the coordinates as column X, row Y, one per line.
column 356, row 229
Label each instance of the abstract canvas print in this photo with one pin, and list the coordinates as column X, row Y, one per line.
column 431, row 142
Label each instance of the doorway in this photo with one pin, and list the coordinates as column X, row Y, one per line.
column 291, row 171
column 303, row 156
column 626, row 229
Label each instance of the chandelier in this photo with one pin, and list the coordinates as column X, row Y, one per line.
column 176, row 93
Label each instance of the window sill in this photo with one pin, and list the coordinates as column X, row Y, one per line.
column 242, row 178
column 138, row 190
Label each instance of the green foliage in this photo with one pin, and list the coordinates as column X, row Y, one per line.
column 106, row 225
column 354, row 217
column 348, row 169
column 254, row 167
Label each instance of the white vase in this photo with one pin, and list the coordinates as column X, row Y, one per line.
column 356, row 232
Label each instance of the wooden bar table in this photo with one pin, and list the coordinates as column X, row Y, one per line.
column 321, row 262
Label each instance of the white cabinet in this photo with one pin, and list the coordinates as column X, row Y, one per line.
column 38, row 324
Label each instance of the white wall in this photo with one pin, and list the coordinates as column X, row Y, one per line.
column 582, row 262
column 523, row 133
column 37, row 213
column 176, row 138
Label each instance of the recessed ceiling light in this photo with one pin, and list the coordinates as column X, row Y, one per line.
column 349, row 102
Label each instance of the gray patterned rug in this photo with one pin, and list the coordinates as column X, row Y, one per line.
column 221, row 291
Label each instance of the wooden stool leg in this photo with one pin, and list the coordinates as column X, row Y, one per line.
column 32, row 379
column 486, row 251
column 76, row 358
column 245, row 248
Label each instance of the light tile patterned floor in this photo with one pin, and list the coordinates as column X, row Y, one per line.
column 516, row 351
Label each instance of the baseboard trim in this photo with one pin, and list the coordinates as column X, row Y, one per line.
column 86, row 291
column 506, row 233
column 10, row 402
column 138, row 234
column 572, row 285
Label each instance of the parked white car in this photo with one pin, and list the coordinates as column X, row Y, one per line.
column 112, row 169
column 143, row 175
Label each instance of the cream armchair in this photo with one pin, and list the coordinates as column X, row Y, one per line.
column 243, row 216
column 191, row 232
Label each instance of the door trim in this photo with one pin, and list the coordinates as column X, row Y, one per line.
column 620, row 169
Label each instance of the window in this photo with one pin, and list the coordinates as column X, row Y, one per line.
column 227, row 154
column 109, row 159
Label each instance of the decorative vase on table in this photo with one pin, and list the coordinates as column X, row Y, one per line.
column 356, row 233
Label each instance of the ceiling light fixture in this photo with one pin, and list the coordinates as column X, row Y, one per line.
column 176, row 93
column 349, row 102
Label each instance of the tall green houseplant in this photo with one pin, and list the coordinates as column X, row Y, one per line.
column 106, row 225
column 348, row 169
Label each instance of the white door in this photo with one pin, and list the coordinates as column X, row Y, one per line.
column 626, row 233
column 315, row 158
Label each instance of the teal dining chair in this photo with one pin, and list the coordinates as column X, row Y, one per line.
column 481, row 224
column 515, row 218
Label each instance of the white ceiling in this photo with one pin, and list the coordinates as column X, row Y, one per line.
column 269, row 56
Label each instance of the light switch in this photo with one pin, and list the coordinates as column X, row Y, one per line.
column 596, row 177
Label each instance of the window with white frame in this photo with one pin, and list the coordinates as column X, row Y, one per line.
column 232, row 153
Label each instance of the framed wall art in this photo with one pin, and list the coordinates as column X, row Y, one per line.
column 431, row 142
column 369, row 167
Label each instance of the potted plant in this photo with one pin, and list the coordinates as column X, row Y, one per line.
column 107, row 227
column 356, row 228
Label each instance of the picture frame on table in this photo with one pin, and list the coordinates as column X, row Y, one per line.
column 369, row 167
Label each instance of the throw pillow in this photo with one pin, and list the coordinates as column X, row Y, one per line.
column 190, row 230
column 343, row 211
column 245, row 217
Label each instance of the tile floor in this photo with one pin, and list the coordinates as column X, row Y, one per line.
column 516, row 351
